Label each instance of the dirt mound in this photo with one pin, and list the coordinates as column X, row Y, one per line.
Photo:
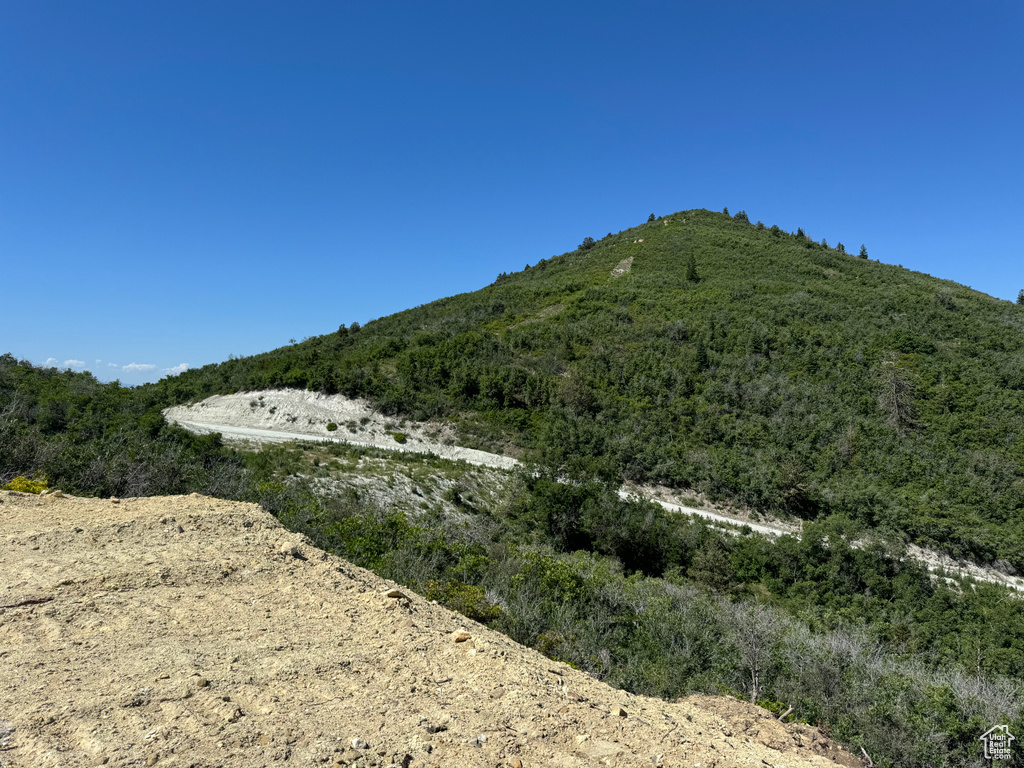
column 188, row 631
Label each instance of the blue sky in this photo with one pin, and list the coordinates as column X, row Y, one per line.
column 180, row 182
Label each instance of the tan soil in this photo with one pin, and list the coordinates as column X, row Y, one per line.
column 623, row 267
column 189, row 631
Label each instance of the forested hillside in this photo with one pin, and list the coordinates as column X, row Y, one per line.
column 749, row 363
column 99, row 439
column 837, row 627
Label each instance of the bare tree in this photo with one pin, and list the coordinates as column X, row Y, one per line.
column 756, row 632
column 896, row 399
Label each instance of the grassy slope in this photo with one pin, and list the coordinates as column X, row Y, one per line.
column 789, row 377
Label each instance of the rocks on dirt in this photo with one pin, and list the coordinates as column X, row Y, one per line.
column 461, row 636
column 623, row 267
column 289, row 549
column 358, row 743
column 135, row 698
column 599, row 749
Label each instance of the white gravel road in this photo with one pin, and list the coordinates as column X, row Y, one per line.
column 283, row 415
column 251, row 434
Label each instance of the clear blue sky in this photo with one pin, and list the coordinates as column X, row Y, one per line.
column 184, row 181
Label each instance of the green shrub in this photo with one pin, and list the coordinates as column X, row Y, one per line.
column 467, row 599
column 777, row 708
column 23, row 485
column 555, row 646
column 454, row 495
column 399, row 437
column 331, row 427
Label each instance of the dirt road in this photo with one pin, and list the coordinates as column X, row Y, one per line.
column 280, row 412
column 453, row 452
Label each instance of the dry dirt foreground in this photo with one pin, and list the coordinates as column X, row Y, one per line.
column 189, row 631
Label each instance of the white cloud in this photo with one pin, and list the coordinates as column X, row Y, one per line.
column 179, row 368
column 138, row 367
column 113, row 365
column 74, row 363
column 98, row 362
column 51, row 361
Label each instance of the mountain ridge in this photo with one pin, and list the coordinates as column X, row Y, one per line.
column 746, row 363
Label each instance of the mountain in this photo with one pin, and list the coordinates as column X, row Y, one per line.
column 696, row 351
column 701, row 351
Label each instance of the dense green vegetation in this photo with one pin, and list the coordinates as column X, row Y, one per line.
column 736, row 359
column 852, row 637
column 102, row 439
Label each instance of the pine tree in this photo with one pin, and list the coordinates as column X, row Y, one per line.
column 651, row 217
column 691, row 269
column 840, row 247
column 1020, row 296
column 726, row 210
column 702, row 357
column 863, row 252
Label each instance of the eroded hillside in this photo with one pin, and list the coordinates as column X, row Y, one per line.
column 191, row 631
